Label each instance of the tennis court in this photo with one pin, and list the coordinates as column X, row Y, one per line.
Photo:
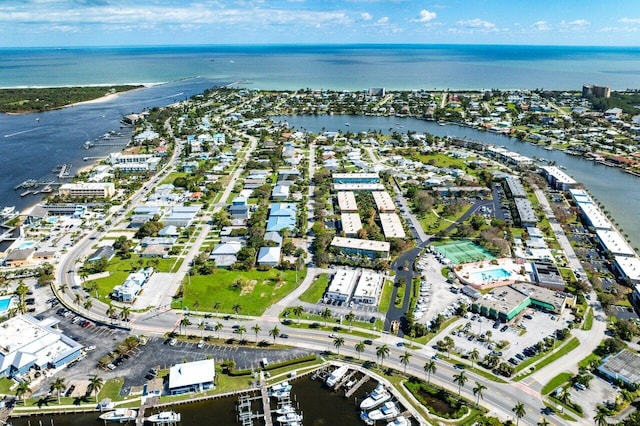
column 463, row 252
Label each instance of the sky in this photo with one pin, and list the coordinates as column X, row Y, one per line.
column 60, row 23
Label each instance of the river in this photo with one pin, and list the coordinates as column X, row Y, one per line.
column 617, row 190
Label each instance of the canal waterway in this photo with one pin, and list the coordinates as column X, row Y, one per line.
column 319, row 406
column 32, row 145
column 617, row 190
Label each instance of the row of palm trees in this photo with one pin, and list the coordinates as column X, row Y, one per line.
column 382, row 352
column 58, row 385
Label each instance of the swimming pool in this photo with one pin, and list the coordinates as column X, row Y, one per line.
column 488, row 275
column 5, row 302
column 52, row 219
column 26, row 245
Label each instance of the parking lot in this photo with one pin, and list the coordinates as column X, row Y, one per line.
column 156, row 353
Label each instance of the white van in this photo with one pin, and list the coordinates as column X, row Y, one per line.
column 265, row 363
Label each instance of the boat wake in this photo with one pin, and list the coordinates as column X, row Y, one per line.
column 20, row 133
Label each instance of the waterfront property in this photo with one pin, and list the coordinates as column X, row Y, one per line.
column 26, row 342
column 104, row 190
column 194, row 376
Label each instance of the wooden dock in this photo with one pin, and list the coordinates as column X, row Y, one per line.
column 345, row 380
column 357, row 386
column 266, row 405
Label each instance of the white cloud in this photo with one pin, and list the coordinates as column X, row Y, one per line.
column 477, row 24
column 541, row 26
column 633, row 21
column 366, row 16
column 577, row 25
column 425, row 16
column 383, row 20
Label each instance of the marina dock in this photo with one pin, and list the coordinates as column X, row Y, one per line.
column 357, row 386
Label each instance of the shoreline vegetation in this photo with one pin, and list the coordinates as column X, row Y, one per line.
column 34, row 100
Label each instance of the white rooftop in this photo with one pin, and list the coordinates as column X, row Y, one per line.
column 351, row 223
column 391, row 225
column 347, row 201
column 383, row 201
column 191, row 373
column 615, row 243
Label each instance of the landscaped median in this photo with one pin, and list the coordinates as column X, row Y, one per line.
column 555, row 355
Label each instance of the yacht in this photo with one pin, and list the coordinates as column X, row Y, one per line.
column 290, row 418
column 285, row 409
column 388, row 411
column 378, row 396
column 280, row 390
column 164, row 417
column 336, row 376
column 121, row 415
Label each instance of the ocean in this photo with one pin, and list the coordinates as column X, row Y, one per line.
column 339, row 67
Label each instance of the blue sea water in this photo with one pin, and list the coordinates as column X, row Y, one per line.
column 349, row 67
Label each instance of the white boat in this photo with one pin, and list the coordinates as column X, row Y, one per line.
column 164, row 417
column 121, row 415
column 336, row 376
column 289, row 418
column 400, row 421
column 378, row 396
column 388, row 411
column 287, row 408
column 280, row 390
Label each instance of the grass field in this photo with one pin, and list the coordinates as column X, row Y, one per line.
column 254, row 290
column 316, row 289
column 555, row 382
column 119, row 269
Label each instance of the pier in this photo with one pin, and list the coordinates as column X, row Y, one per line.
column 357, row 386
column 345, row 380
column 266, row 404
column 245, row 412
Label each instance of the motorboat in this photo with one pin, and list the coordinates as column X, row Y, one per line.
column 388, row 411
column 290, row 418
column 378, row 396
column 121, row 415
column 400, row 421
column 287, row 408
column 164, row 417
column 280, row 390
column 336, row 376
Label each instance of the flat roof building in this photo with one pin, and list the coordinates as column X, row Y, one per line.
column 526, row 213
column 358, row 187
column 392, row 225
column 559, row 179
column 87, row 190
column 347, row 202
column 128, row 291
column 341, row 286
column 384, row 202
column 194, row 376
column 613, row 242
column 369, row 287
column 628, row 268
column 624, row 366
column 515, row 187
column 355, row 178
column 351, row 224
column 369, row 248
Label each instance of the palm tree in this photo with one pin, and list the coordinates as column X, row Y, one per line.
column 382, row 352
column 111, row 311
column 95, row 384
column 601, row 416
column 404, row 360
column 460, row 380
column 236, row 308
column 519, row 411
column 564, row 396
column 349, row 318
column 88, row 304
column 337, row 342
column 216, row 307
column 477, row 391
column 219, row 326
column 448, row 345
column 78, row 299
column 201, row 327
column 184, row 322
column 297, row 311
column 125, row 312
column 57, row 386
column 22, row 291
column 275, row 333
column 241, row 330
column 360, row 348
column 543, row 422
column 326, row 314
column 256, row 329
column 429, row 367
column 474, row 355
column 22, row 389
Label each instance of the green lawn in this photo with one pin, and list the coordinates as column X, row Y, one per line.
column 119, row 269
column 173, row 176
column 256, row 291
column 565, row 349
column 111, row 389
column 316, row 289
column 385, row 298
column 588, row 320
column 555, row 382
